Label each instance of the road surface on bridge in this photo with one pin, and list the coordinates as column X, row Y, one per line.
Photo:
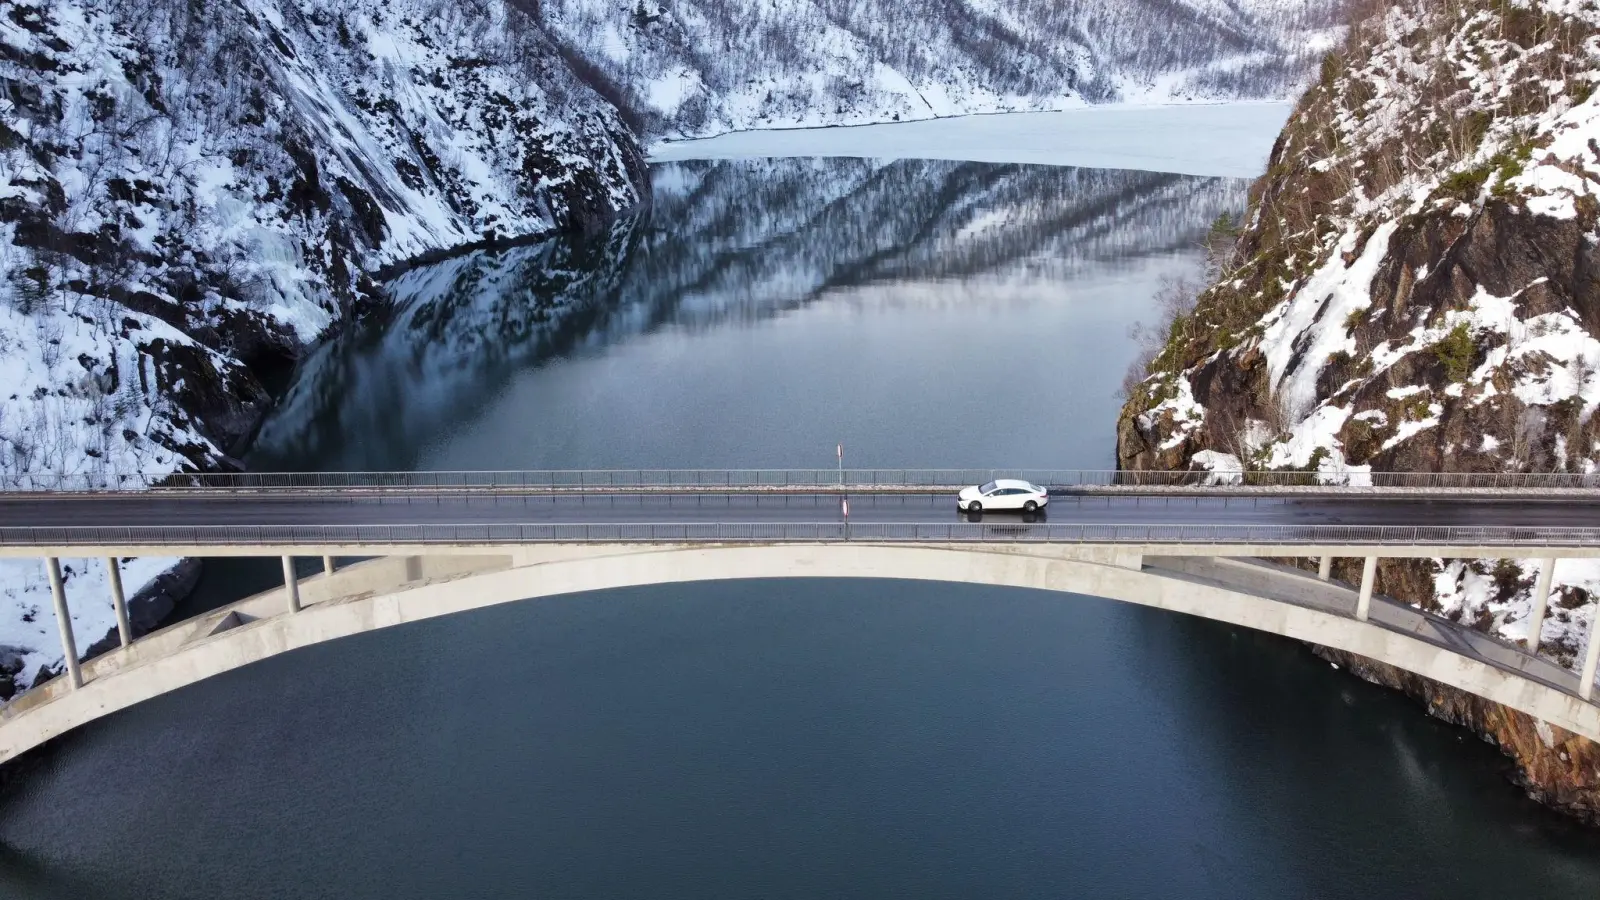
column 141, row 510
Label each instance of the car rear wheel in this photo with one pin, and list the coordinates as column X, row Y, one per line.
column 1030, row 507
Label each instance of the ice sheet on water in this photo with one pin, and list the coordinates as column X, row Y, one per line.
column 1229, row 140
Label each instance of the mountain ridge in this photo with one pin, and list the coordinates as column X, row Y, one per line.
column 694, row 68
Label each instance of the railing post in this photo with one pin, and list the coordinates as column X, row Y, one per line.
column 69, row 645
column 327, row 565
column 1541, row 599
column 291, row 584
column 1591, row 658
column 119, row 601
column 1369, row 573
column 1325, row 568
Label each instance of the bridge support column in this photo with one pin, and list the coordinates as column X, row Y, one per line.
column 1369, row 574
column 1541, row 599
column 1325, row 568
column 1591, row 659
column 291, row 583
column 327, row 565
column 119, row 602
column 69, row 645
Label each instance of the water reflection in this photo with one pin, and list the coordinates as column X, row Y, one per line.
column 726, row 242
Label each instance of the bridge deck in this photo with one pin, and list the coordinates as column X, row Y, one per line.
column 318, row 518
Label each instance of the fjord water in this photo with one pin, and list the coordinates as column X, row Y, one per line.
column 790, row 738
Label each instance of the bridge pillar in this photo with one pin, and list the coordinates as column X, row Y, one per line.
column 69, row 645
column 327, row 565
column 1591, row 659
column 119, row 601
column 1541, row 599
column 1325, row 568
column 1369, row 574
column 291, row 583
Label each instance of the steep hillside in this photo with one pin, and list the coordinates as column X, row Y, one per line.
column 189, row 193
column 1415, row 290
column 698, row 67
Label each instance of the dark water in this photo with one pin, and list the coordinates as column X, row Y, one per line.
column 782, row 738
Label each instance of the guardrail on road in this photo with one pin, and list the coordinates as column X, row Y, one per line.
column 795, row 532
column 711, row 479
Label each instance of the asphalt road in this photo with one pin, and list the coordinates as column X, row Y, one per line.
column 420, row 509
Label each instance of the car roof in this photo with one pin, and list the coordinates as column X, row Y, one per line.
column 1011, row 483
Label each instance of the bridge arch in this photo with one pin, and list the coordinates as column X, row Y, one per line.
column 554, row 570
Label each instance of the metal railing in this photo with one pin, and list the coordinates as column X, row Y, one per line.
column 748, row 479
column 1013, row 531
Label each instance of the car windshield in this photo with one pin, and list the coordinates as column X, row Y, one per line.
column 987, row 488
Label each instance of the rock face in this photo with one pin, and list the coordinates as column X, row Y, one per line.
column 1554, row 766
column 696, row 67
column 1415, row 290
column 191, row 193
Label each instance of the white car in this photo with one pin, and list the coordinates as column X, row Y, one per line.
column 1001, row 494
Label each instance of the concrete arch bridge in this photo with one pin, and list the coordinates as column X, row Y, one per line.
column 416, row 552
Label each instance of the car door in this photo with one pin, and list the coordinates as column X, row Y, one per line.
column 1010, row 498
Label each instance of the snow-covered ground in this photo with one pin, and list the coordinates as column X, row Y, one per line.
column 697, row 68
column 1229, row 140
column 29, row 640
column 186, row 188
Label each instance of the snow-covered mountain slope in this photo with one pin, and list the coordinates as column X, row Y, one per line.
column 185, row 190
column 727, row 240
column 692, row 68
column 1417, row 290
column 189, row 193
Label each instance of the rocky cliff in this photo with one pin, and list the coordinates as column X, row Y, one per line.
column 1415, row 289
column 190, row 193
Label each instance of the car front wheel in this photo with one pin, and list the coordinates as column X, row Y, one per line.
column 975, row 507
